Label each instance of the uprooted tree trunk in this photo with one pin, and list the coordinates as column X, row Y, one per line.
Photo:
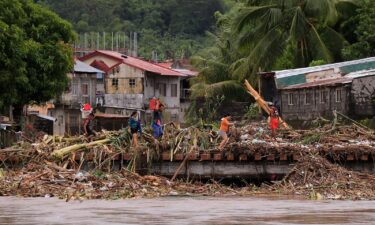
column 59, row 154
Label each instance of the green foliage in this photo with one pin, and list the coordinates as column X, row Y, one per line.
column 317, row 62
column 205, row 109
column 35, row 53
column 252, row 112
column 360, row 29
column 172, row 28
column 270, row 30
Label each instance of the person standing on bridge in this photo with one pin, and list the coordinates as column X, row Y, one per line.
column 134, row 128
column 224, row 129
column 273, row 120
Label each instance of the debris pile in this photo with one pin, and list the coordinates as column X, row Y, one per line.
column 51, row 180
column 50, row 167
column 316, row 177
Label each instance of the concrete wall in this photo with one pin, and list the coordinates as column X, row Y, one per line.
column 75, row 94
column 153, row 88
column 124, row 74
column 363, row 95
column 68, row 121
column 132, row 101
column 147, row 85
column 308, row 104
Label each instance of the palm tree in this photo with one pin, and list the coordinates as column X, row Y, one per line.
column 270, row 28
column 215, row 82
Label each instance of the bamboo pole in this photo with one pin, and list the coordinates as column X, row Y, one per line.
column 60, row 153
column 263, row 104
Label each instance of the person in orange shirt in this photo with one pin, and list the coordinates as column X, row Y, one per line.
column 224, row 129
column 273, row 120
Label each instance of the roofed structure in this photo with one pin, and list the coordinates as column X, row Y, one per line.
column 286, row 78
column 131, row 61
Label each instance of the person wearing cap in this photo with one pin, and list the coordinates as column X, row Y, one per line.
column 224, row 129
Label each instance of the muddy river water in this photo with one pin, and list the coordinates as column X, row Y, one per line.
column 184, row 210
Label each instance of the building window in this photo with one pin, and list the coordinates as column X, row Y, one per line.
column 173, row 90
column 115, row 82
column 85, row 89
column 338, row 95
column 163, row 89
column 290, row 99
column 323, row 96
column 308, row 98
column 132, row 83
column 74, row 88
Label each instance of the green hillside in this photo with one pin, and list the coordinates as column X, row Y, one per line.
column 171, row 28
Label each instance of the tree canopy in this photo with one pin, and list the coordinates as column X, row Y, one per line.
column 172, row 28
column 35, row 54
column 281, row 34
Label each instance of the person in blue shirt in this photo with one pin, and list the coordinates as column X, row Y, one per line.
column 157, row 129
column 133, row 128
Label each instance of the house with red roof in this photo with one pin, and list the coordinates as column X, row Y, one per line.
column 130, row 82
column 85, row 82
column 182, row 66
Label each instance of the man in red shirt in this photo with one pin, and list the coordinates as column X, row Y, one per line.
column 224, row 129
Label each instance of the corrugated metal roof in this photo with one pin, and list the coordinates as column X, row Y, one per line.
column 165, row 65
column 319, row 83
column 82, row 67
column 293, row 72
column 135, row 62
column 111, row 116
column 286, row 78
column 46, row 117
column 187, row 72
column 362, row 73
column 329, row 82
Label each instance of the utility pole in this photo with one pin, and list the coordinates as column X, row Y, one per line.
column 97, row 41
column 104, row 41
column 135, row 44
column 112, row 41
column 130, row 44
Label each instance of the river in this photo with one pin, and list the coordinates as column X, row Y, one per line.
column 184, row 210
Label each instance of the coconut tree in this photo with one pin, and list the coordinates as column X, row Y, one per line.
column 215, row 84
column 268, row 29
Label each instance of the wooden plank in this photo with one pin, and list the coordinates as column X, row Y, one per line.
column 243, row 157
column 283, row 157
column 364, row 157
column 205, row 156
column 257, row 157
column 218, row 156
column 271, row 157
column 166, row 156
column 193, row 156
column 179, row 157
column 350, row 157
column 230, row 156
